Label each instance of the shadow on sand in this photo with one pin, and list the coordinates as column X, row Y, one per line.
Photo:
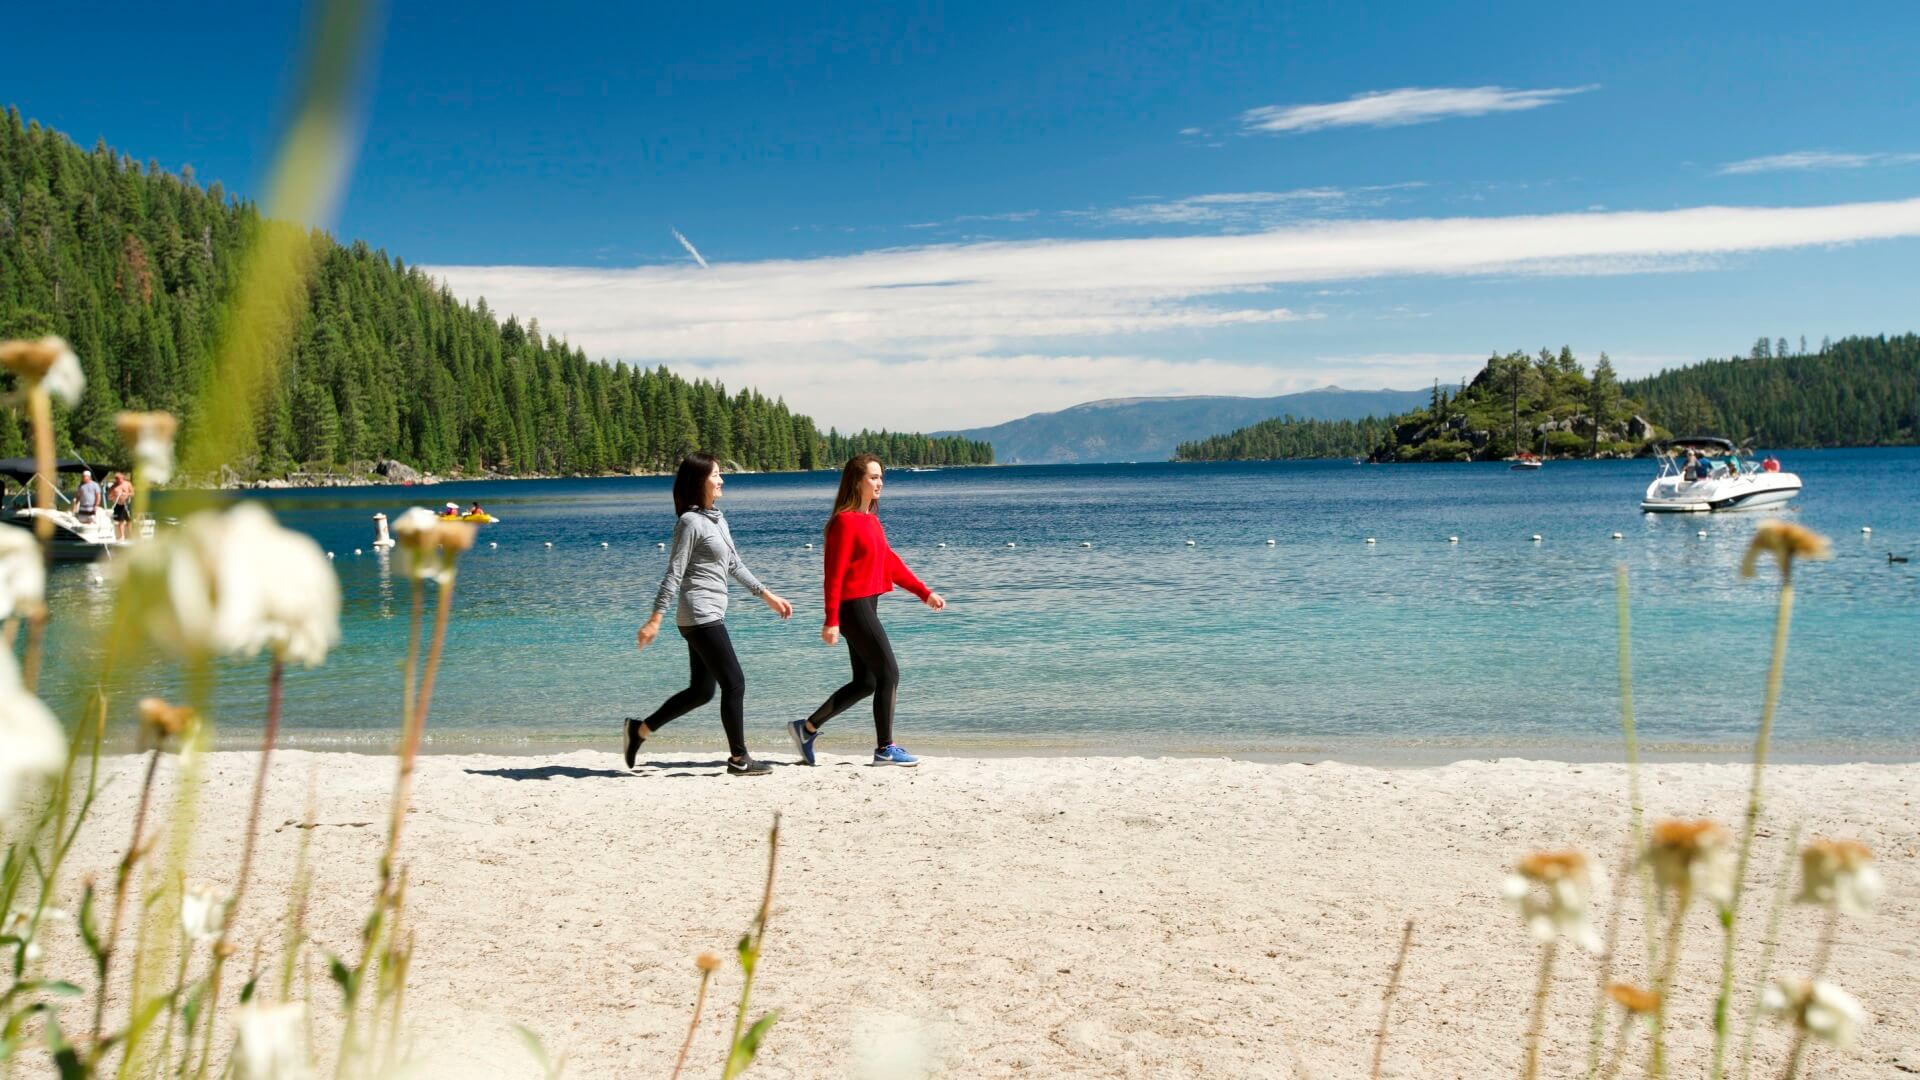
column 644, row 768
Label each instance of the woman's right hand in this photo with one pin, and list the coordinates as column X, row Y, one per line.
column 648, row 631
column 831, row 635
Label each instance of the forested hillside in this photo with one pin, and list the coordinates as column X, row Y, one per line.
column 1547, row 403
column 1289, row 437
column 1859, row 391
column 1854, row 392
column 135, row 265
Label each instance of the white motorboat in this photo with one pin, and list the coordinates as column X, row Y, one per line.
column 72, row 537
column 1717, row 479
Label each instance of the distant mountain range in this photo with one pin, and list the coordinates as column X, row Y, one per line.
column 1149, row 428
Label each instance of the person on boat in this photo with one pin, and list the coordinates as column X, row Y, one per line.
column 452, row 510
column 1770, row 464
column 475, row 511
column 702, row 560
column 860, row 569
column 120, row 496
column 87, row 500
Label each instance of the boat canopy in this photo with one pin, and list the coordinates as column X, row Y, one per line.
column 1700, row 444
column 22, row 469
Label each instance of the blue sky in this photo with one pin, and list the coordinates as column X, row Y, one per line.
column 939, row 217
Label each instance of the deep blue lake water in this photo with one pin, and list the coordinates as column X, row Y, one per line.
column 1141, row 643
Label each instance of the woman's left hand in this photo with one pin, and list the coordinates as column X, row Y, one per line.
column 779, row 605
column 936, row 601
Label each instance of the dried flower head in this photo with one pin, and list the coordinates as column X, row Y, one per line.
column 203, row 911
column 161, row 722
column 1786, row 542
column 23, row 574
column 1551, row 889
column 1822, row 1010
column 31, row 740
column 270, row 1041
column 1634, row 999
column 47, row 363
column 417, row 534
column 1839, row 874
column 708, row 962
column 1693, row 856
column 149, row 438
column 457, row 536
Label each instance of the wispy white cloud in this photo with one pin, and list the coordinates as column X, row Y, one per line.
column 1396, row 108
column 688, row 244
column 1808, row 160
column 1244, row 208
column 926, row 306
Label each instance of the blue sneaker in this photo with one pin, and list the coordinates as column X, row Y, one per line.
column 891, row 754
column 802, row 739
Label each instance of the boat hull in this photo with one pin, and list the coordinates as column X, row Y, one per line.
column 1752, row 492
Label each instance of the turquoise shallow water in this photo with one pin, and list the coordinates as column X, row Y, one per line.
column 1320, row 642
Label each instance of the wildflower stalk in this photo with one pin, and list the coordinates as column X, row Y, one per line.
column 1663, row 983
column 700, row 1000
column 1769, row 943
column 1798, row 1051
column 1728, row 913
column 1607, row 957
column 1386, row 999
column 120, row 879
column 742, row 1049
column 415, row 706
column 1539, row 1022
column 1621, row 1041
column 40, row 412
column 297, row 901
column 222, row 947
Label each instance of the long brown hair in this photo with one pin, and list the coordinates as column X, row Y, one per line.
column 848, row 497
column 690, row 481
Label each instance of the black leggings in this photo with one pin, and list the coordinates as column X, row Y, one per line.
column 711, row 662
column 875, row 671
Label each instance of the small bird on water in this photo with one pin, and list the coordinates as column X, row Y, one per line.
column 1892, row 558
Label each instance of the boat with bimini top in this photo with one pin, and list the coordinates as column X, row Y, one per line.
column 1701, row 474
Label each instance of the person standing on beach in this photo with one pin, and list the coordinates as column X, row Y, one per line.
column 702, row 560
column 860, row 569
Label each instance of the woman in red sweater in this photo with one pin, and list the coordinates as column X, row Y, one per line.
column 860, row 568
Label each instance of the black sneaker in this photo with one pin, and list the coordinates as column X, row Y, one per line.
column 747, row 766
column 633, row 739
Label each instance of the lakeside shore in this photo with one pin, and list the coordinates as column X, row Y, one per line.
column 1041, row 916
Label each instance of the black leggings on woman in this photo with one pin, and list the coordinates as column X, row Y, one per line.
column 875, row 671
column 712, row 663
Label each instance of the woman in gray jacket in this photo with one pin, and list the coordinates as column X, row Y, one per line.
column 703, row 559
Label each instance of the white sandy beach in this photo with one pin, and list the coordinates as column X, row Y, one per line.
column 1119, row 917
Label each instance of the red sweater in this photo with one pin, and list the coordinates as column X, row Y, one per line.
column 859, row 563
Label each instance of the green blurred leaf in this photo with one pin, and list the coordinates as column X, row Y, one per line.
column 64, row 1057
column 56, row 986
column 534, row 1047
column 246, row 992
column 748, row 1047
column 87, row 932
column 339, row 972
column 190, row 1008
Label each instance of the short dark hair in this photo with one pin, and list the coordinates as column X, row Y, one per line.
column 690, row 481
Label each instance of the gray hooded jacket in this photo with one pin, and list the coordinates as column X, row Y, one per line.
column 702, row 559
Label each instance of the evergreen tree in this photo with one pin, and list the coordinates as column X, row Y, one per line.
column 136, row 267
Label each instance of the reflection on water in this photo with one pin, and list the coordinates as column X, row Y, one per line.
column 1141, row 642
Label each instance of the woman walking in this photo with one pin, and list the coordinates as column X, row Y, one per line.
column 860, row 568
column 703, row 559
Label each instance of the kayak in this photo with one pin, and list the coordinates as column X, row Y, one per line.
column 478, row 519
